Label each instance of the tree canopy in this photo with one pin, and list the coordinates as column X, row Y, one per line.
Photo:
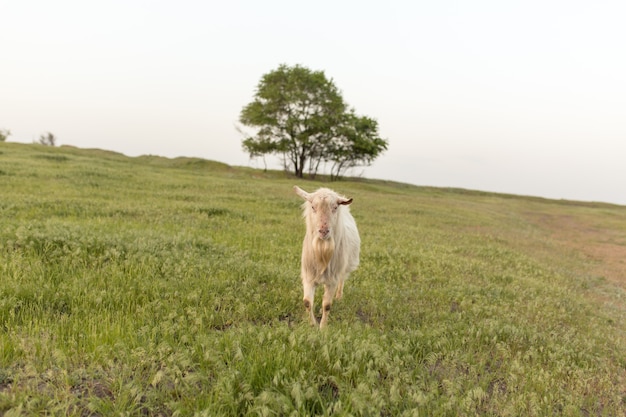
column 301, row 115
column 4, row 134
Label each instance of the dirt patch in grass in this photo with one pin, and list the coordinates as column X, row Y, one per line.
column 603, row 245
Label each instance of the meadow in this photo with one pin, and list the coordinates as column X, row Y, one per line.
column 170, row 287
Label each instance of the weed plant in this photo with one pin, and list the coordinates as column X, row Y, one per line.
column 156, row 287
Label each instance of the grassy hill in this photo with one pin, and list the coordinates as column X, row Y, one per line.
column 156, row 287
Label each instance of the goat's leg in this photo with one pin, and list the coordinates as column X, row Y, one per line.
column 339, row 292
column 309, row 298
column 327, row 302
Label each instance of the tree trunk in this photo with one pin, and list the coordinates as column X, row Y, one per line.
column 300, row 166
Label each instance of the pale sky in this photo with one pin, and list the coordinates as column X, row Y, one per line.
column 521, row 97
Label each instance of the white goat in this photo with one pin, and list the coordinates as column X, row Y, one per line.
column 331, row 246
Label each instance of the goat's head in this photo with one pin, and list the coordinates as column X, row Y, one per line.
column 320, row 210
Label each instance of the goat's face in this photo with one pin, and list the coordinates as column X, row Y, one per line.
column 322, row 210
column 324, row 214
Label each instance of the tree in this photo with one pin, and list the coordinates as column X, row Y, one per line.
column 47, row 139
column 300, row 114
column 4, row 134
column 357, row 144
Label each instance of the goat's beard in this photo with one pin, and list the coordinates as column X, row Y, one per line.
column 323, row 250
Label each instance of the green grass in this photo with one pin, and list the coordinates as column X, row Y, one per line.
column 153, row 286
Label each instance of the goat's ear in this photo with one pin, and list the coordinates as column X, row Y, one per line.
column 345, row 202
column 301, row 192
